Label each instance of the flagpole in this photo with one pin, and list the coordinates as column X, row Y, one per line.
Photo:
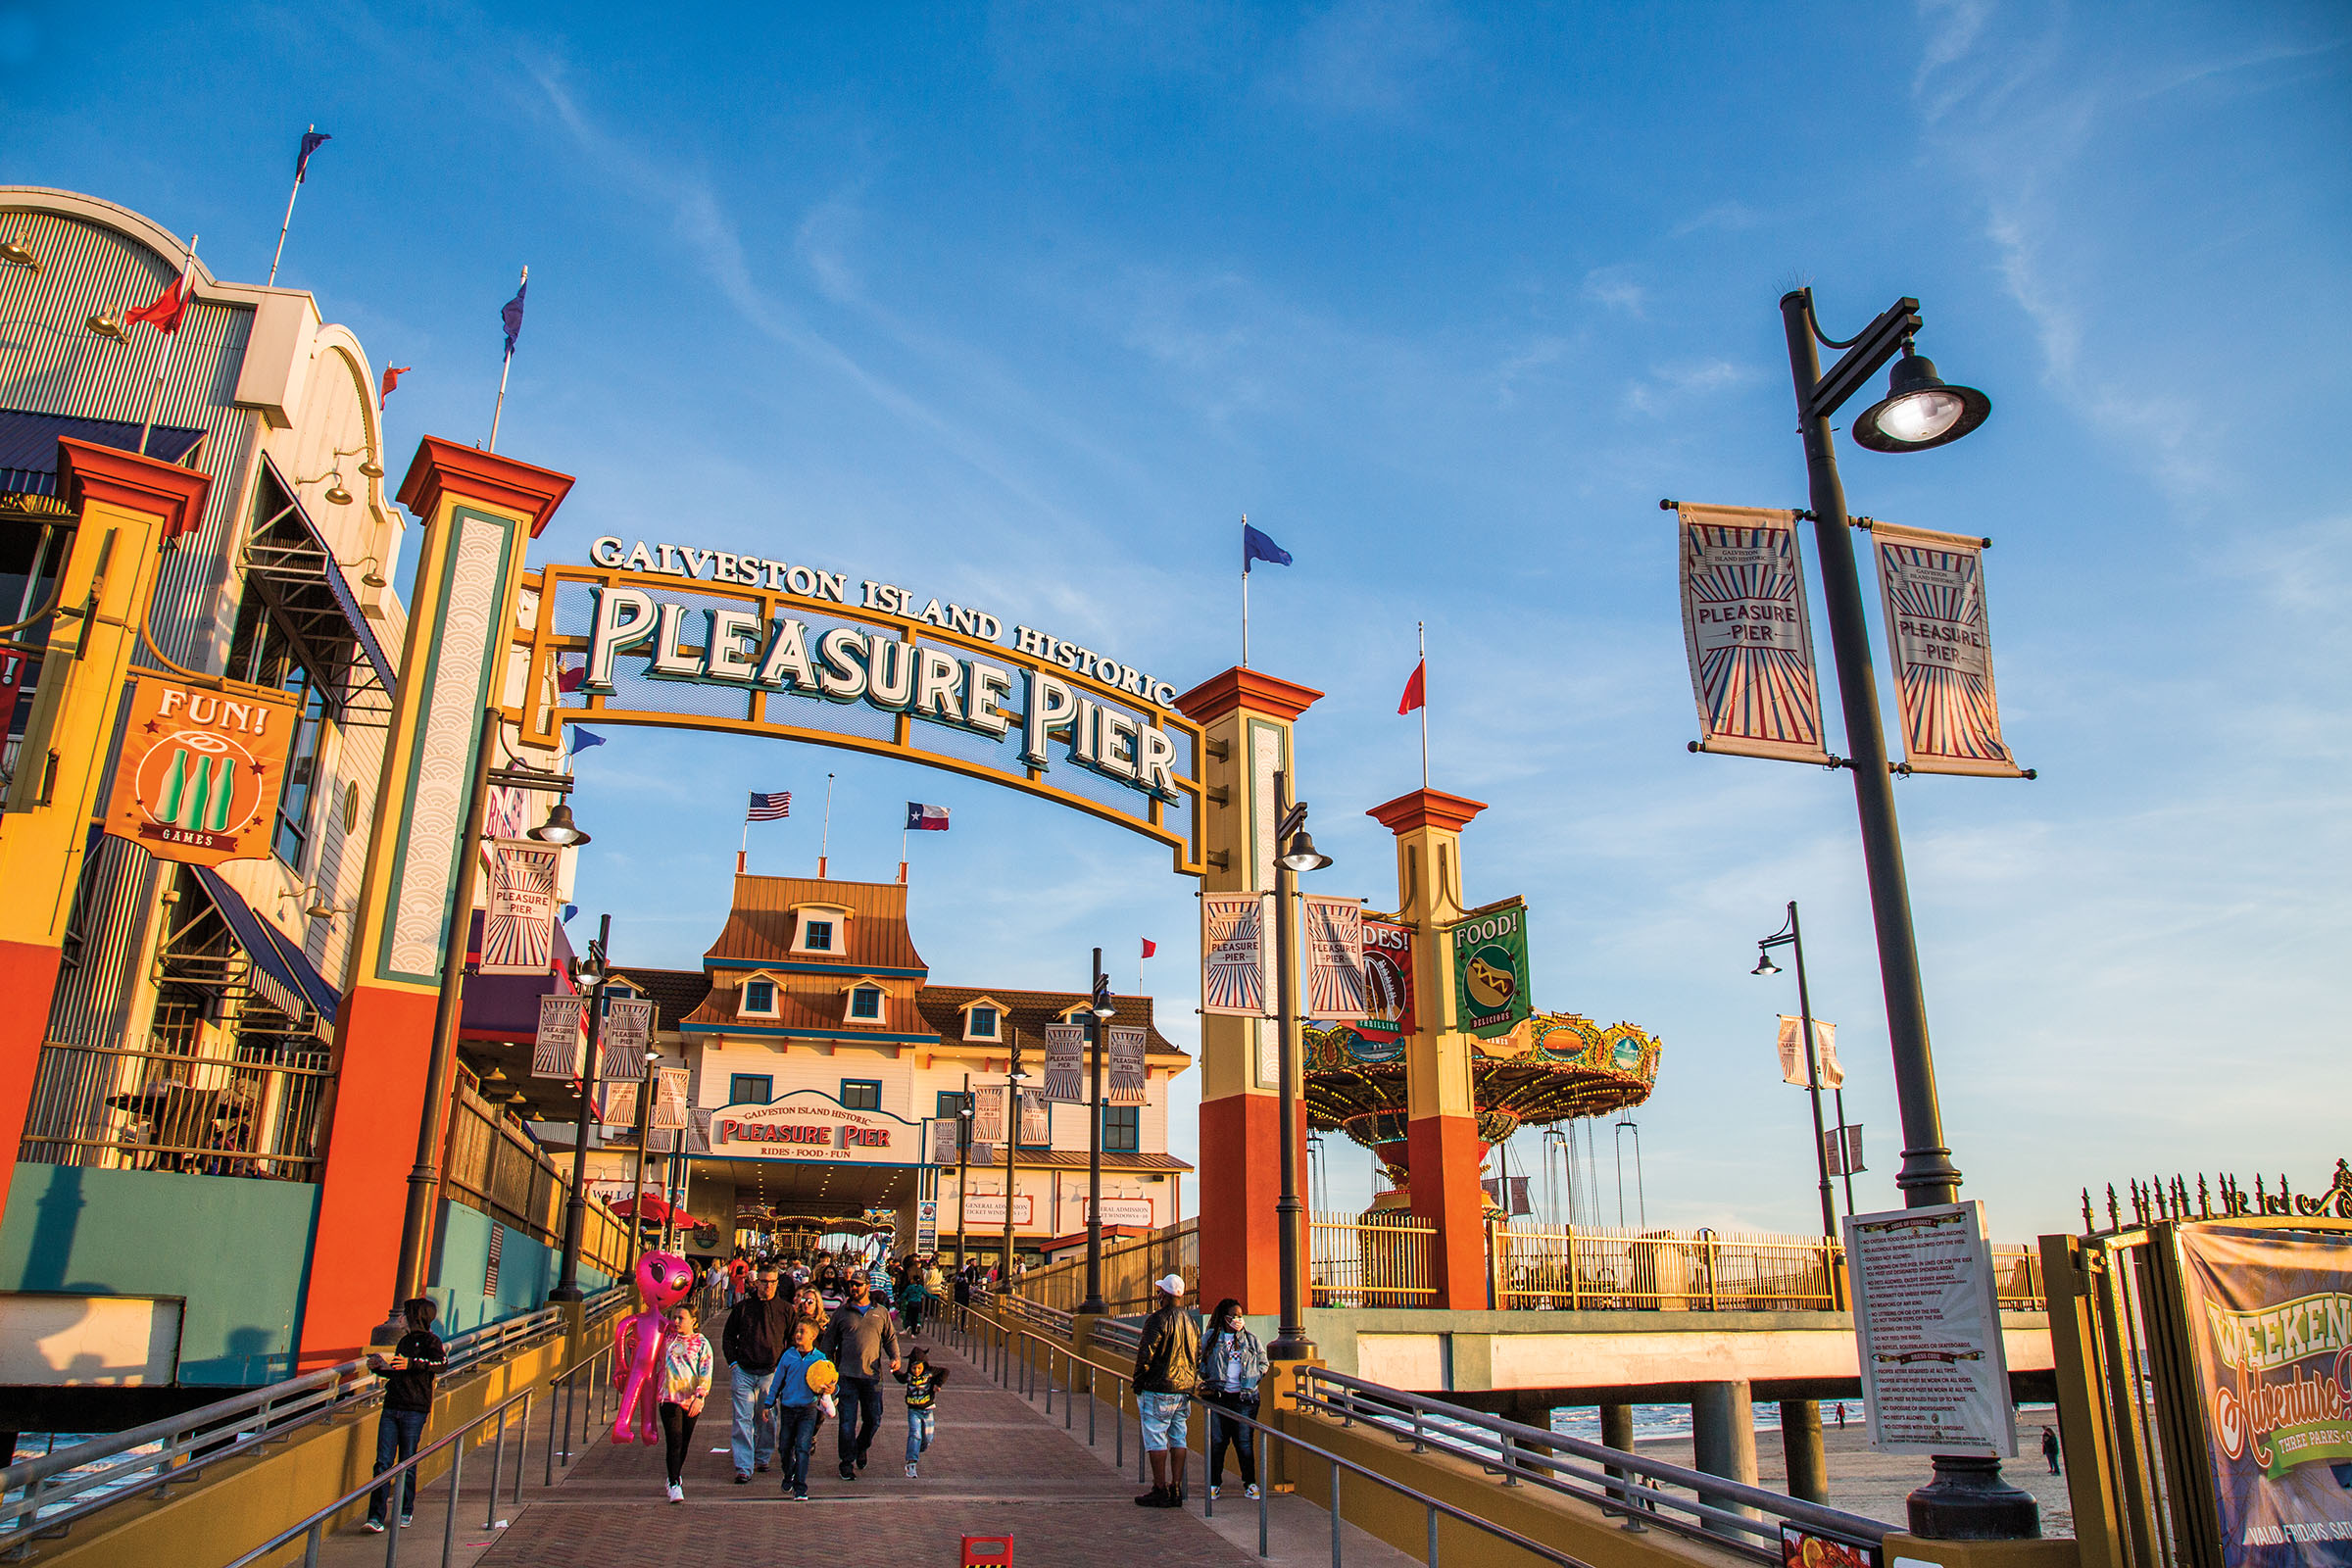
column 825, row 841
column 155, row 395
column 1421, row 639
column 505, row 366
column 1244, row 590
column 288, row 221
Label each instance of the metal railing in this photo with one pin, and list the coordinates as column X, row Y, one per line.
column 1020, row 1360
column 1727, row 1513
column 1128, row 1269
column 255, row 1111
column 47, row 1496
column 1568, row 1270
column 1379, row 1261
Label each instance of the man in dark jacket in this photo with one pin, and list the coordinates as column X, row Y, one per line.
column 759, row 1329
column 407, row 1375
column 1167, row 1369
column 860, row 1341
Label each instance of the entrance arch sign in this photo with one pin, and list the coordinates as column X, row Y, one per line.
column 785, row 653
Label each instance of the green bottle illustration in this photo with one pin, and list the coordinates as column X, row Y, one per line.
column 224, row 789
column 198, row 797
column 175, row 781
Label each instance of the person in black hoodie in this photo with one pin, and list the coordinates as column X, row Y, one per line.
column 407, row 1375
column 758, row 1330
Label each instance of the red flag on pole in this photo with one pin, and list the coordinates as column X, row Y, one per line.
column 1413, row 697
column 392, row 376
column 1149, row 947
column 166, row 311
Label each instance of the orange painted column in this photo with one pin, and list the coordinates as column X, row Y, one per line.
column 126, row 507
column 480, row 511
column 1442, row 1146
column 1247, row 715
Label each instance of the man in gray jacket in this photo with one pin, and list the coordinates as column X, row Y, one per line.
column 858, row 1341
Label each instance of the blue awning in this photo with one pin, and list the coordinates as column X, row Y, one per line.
column 332, row 573
column 281, row 970
column 28, row 446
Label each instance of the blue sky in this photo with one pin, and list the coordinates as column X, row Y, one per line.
column 1025, row 305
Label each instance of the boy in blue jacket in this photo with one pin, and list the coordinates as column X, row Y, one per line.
column 793, row 1395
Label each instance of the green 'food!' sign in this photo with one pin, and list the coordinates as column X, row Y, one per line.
column 1490, row 971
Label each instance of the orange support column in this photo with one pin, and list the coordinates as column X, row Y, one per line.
column 1247, row 715
column 480, row 511
column 126, row 507
column 1441, row 1142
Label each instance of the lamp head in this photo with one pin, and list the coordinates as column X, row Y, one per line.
column 372, row 468
column 17, row 253
column 372, row 576
column 106, row 324
column 588, row 971
column 1102, row 1006
column 1303, row 855
column 336, row 495
column 1920, row 410
column 1764, row 964
column 558, row 828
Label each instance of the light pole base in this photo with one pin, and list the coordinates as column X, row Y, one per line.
column 565, row 1292
column 1968, row 1500
column 389, row 1331
column 1092, row 1306
column 1289, row 1348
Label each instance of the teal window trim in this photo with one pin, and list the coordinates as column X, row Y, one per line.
column 872, row 1101
column 860, row 996
column 752, row 1089
column 1122, row 1129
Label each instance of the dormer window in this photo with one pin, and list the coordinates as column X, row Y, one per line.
column 821, row 930
column 759, row 998
column 981, row 1022
column 866, row 1002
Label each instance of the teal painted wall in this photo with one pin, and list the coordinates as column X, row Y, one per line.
column 527, row 1271
column 239, row 1251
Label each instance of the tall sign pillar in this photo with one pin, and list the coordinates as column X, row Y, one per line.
column 481, row 511
column 1247, row 715
column 126, row 508
column 1443, row 1147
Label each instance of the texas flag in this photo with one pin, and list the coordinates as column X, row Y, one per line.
column 922, row 819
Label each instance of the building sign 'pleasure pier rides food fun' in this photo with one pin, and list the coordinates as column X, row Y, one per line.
column 665, row 635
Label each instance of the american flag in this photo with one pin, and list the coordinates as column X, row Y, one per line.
column 769, row 807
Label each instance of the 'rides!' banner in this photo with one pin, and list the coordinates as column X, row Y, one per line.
column 1748, row 634
column 2270, row 1319
column 1932, row 586
column 1335, row 958
column 1237, row 953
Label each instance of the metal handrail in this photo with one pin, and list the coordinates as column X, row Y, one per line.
column 1014, row 1368
column 188, row 1442
column 313, row 1526
column 1624, row 1482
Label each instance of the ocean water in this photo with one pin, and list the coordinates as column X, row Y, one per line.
column 1658, row 1422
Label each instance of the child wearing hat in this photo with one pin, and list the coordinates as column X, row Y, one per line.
column 922, row 1381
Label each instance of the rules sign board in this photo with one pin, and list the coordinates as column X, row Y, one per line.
column 1935, row 1375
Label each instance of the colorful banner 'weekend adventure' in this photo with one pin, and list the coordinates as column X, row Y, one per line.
column 1335, row 958
column 1748, row 635
column 2272, row 1321
column 1932, row 589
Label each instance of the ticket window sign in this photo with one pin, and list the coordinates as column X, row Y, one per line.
column 811, row 1125
column 201, row 771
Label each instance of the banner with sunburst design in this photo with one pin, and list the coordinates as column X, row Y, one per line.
column 1748, row 634
column 1933, row 588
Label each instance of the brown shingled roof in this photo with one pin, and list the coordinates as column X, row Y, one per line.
column 805, row 1001
column 674, row 992
column 1031, row 1011
column 758, row 928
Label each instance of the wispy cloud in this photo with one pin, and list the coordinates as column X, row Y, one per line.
column 1370, row 57
column 1614, row 287
column 1668, row 386
column 1730, row 217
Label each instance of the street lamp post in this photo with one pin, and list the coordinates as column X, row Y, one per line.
column 1098, row 1009
column 1293, row 852
column 964, row 1162
column 593, row 974
column 1967, row 1499
column 1014, row 1077
column 1791, row 935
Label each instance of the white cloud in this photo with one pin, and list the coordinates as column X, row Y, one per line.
column 1613, row 287
column 1370, row 58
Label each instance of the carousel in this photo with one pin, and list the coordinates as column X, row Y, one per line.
column 1551, row 1067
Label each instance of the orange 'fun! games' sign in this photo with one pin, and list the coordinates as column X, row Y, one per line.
column 201, row 770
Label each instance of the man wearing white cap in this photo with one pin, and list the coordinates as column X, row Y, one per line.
column 1168, row 1368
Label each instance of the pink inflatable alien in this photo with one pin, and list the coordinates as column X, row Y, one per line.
column 639, row 1341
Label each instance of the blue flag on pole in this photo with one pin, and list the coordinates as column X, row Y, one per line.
column 582, row 737
column 312, row 140
column 1257, row 546
column 511, row 316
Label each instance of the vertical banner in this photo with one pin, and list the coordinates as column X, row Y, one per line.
column 988, row 1120
column 1065, row 1063
column 939, row 1140
column 1825, row 1047
column 619, row 1111
column 201, row 771
column 1841, row 1148
column 1935, row 1373
column 2269, row 1318
column 625, row 1035
column 561, row 1050
column 1388, row 985
column 671, row 1089
column 1123, row 1065
column 1237, row 953
column 1037, row 1117
column 503, row 812
column 1335, row 958
column 1490, row 971
column 15, row 668
column 518, row 927
column 1748, row 635
column 1932, row 587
